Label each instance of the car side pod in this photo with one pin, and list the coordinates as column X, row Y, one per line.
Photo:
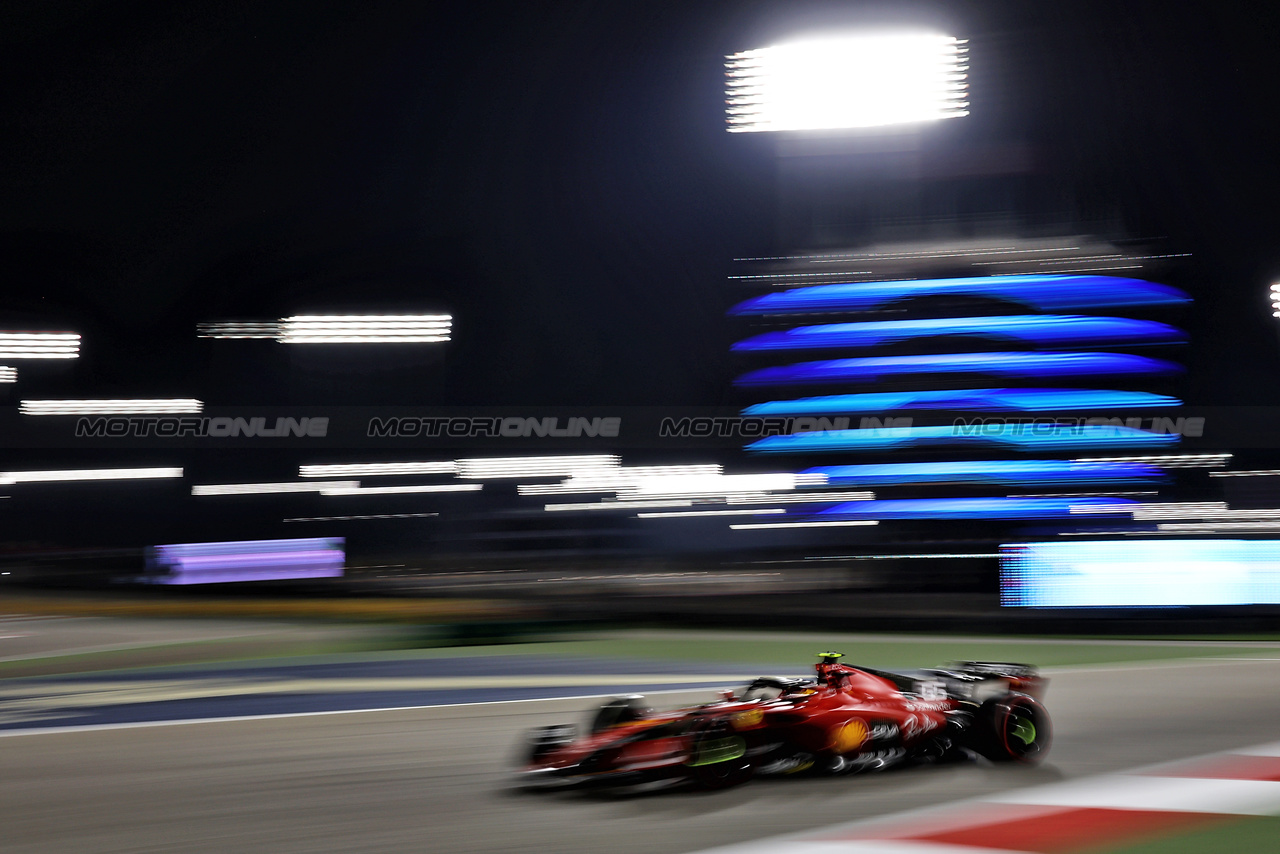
column 1013, row 728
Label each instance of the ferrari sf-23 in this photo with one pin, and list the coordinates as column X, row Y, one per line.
column 846, row 719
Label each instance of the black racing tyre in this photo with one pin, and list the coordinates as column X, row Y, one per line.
column 619, row 710
column 1014, row 728
column 718, row 756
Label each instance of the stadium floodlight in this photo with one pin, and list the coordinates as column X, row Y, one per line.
column 337, row 329
column 39, row 345
column 860, row 81
column 65, row 475
column 173, row 406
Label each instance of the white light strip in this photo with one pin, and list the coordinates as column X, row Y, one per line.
column 614, row 479
column 39, row 345
column 112, row 406
column 851, row 82
column 267, row 329
column 500, row 467
column 722, row 484
column 396, row 490
column 53, row 476
column 1210, row 515
column 617, row 505
column 271, row 488
column 1166, row 460
column 846, row 524
column 368, row 329
column 1167, row 507
column 800, row 497
column 1255, row 473
column 338, row 329
column 685, row 513
column 359, row 518
column 1211, row 527
column 1080, row 494
column 377, row 469
column 8, row 374
column 904, row 557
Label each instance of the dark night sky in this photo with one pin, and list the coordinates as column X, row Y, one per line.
column 556, row 175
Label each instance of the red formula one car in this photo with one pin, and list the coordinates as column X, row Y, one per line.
column 846, row 719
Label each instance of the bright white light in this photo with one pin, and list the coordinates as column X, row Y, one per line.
column 614, row 479
column 1215, row 527
column 395, row 490
column 87, row 474
column 39, row 345
column 498, row 467
column 360, row 518
column 619, row 505
column 800, row 497
column 1253, row 473
column 265, row 488
column 684, row 513
column 721, row 484
column 338, row 329
column 172, row 406
column 1171, row 461
column 846, row 524
column 8, row 374
column 853, row 82
column 377, row 469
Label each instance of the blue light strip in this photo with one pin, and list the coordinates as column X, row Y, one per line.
column 1045, row 293
column 1030, row 364
column 974, row 399
column 1052, row 330
column 1049, row 472
column 1031, row 437
column 976, row 508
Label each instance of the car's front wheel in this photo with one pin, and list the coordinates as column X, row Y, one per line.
column 718, row 757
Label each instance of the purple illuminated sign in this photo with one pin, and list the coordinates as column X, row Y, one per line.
column 246, row 560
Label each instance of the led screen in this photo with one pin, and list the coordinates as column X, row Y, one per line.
column 1140, row 573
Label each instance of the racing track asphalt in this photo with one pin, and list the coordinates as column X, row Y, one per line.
column 436, row 779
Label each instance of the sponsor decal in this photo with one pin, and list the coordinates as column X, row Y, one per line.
column 750, row 719
column 849, row 736
column 883, row 731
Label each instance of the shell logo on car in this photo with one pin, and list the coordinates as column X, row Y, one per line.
column 749, row 719
column 849, row 736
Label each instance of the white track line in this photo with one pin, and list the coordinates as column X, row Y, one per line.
column 52, row 730
column 1137, row 788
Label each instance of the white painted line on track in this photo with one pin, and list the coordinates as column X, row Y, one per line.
column 1129, row 790
column 53, row 730
column 1172, row 794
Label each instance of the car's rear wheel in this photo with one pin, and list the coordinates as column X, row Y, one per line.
column 1015, row 728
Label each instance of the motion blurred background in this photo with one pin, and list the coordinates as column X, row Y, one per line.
column 541, row 302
